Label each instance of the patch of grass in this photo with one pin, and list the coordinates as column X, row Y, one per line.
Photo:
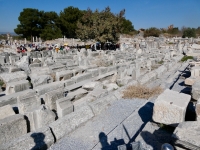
column 185, row 58
column 166, row 128
column 161, row 62
column 141, row 91
column 1, row 83
column 104, row 87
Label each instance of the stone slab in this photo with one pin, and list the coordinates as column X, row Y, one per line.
column 170, row 107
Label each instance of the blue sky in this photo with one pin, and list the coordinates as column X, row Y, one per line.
column 142, row 13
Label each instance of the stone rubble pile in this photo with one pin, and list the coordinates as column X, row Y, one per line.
column 49, row 95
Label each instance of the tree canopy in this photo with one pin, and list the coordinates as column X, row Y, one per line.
column 68, row 21
column 29, row 23
column 100, row 25
column 73, row 23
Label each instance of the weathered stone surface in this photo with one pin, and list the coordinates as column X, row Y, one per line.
column 28, row 104
column 12, row 98
column 189, row 81
column 101, row 104
column 198, row 110
column 6, row 111
column 42, row 89
column 12, row 127
column 64, row 75
column 64, row 107
column 82, row 77
column 98, row 93
column 196, row 90
column 40, row 117
column 70, row 122
column 38, row 80
column 170, row 107
column 14, row 87
column 77, row 94
column 23, row 63
column 91, row 85
column 12, row 77
column 40, row 139
column 187, row 134
column 152, row 136
column 52, row 96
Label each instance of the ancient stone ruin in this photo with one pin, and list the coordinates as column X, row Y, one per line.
column 74, row 99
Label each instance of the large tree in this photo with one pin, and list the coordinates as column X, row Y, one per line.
column 127, row 26
column 68, row 21
column 101, row 26
column 50, row 26
column 29, row 23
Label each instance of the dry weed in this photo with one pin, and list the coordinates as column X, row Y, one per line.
column 141, row 91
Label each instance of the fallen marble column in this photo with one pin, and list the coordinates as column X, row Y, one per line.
column 170, row 107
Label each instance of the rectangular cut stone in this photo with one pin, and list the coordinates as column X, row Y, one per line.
column 28, row 104
column 170, row 107
column 14, row 87
column 12, row 98
column 64, row 75
column 41, row 90
column 196, row 90
column 12, row 77
column 40, row 117
column 64, row 106
column 77, row 94
column 187, row 135
column 12, row 127
column 6, row 111
column 82, row 77
column 40, row 139
column 70, row 122
column 38, row 80
column 94, row 72
column 68, row 82
column 136, row 73
column 52, row 96
column 161, row 70
column 57, row 67
column 102, row 70
column 102, row 103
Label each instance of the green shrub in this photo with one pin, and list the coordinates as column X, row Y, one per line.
column 1, row 83
column 185, row 58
